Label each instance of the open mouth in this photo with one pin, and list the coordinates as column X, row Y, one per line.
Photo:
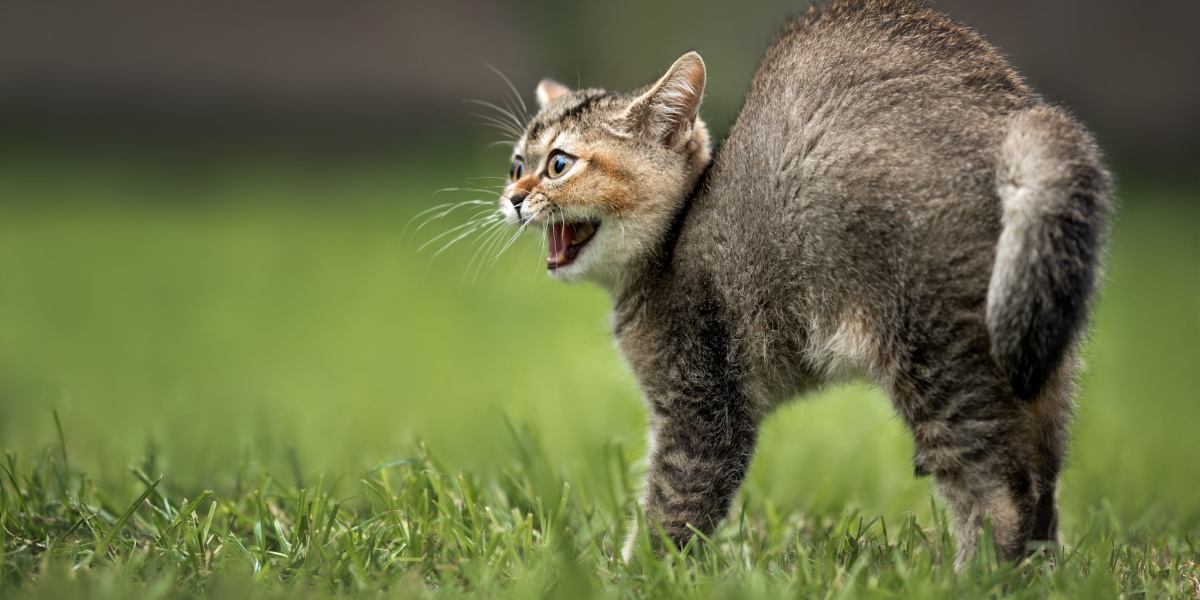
column 566, row 240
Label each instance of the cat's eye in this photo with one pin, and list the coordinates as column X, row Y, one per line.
column 517, row 169
column 559, row 163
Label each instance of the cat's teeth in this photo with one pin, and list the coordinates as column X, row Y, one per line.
column 566, row 240
column 583, row 233
column 560, row 236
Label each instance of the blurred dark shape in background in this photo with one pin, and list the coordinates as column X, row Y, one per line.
column 314, row 75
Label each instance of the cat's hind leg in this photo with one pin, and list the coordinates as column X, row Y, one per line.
column 1048, row 417
column 980, row 443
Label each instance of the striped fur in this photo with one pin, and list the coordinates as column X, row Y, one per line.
column 893, row 202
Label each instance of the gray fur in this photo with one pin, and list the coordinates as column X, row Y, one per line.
column 1052, row 192
column 893, row 201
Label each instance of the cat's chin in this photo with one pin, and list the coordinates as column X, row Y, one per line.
column 569, row 273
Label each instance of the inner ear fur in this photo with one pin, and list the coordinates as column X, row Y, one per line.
column 548, row 90
column 667, row 112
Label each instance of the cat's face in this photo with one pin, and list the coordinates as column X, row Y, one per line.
column 603, row 173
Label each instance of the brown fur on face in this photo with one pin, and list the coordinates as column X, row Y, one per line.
column 526, row 185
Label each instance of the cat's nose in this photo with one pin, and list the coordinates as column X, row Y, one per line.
column 517, row 198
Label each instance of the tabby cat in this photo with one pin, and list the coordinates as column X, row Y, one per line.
column 892, row 202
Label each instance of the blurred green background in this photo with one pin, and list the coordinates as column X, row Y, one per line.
column 204, row 254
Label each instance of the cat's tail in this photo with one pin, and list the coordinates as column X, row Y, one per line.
column 1055, row 195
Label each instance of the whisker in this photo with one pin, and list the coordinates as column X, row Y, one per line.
column 445, row 213
column 506, row 129
column 513, row 88
column 468, row 232
column 469, row 189
column 543, row 245
column 503, row 111
column 516, row 130
column 499, row 126
column 509, row 243
column 506, row 142
column 473, row 222
column 421, row 214
column 484, row 242
column 504, row 125
column 514, row 237
column 497, row 237
column 501, row 114
column 489, row 229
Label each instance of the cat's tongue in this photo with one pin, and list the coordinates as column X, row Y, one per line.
column 560, row 235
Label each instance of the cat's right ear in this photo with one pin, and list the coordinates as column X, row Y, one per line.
column 548, row 90
column 667, row 112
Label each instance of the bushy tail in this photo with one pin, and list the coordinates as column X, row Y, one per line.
column 1055, row 194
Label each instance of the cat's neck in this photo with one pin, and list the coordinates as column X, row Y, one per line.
column 662, row 262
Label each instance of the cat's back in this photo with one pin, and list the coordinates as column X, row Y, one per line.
column 859, row 44
column 867, row 121
column 868, row 88
column 860, row 175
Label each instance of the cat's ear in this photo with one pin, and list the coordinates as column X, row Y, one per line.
column 667, row 112
column 548, row 90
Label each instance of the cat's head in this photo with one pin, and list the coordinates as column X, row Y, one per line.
column 603, row 173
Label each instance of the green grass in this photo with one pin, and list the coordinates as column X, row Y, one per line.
column 249, row 384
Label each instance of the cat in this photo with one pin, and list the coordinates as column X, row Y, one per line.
column 893, row 201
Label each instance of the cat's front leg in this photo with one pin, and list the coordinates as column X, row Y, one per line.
column 700, row 449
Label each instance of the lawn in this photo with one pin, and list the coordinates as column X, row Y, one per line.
column 248, row 382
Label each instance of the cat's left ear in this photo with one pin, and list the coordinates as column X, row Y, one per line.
column 667, row 112
column 548, row 90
